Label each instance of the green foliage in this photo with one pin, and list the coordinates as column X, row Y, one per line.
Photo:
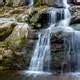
column 36, row 3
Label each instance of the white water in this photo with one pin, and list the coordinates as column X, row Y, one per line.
column 31, row 3
column 65, row 2
column 41, row 54
column 41, row 57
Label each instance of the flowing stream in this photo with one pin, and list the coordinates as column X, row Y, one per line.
column 41, row 59
column 42, row 52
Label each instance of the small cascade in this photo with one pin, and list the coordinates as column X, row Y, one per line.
column 41, row 54
column 65, row 3
column 59, row 22
column 30, row 4
column 76, row 50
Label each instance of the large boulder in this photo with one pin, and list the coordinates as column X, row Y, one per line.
column 39, row 18
column 75, row 20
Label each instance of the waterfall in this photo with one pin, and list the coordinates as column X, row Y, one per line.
column 41, row 53
column 29, row 2
column 41, row 58
column 65, row 2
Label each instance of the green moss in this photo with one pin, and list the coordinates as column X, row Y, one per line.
column 16, row 61
column 36, row 3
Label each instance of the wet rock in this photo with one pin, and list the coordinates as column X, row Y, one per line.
column 33, row 34
column 33, row 17
column 43, row 20
column 38, row 20
column 75, row 20
column 59, row 5
column 61, row 60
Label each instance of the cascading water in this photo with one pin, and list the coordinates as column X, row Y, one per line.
column 65, row 3
column 41, row 57
column 31, row 3
column 41, row 53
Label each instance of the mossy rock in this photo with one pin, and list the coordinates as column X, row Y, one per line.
column 5, row 31
column 36, row 3
column 39, row 19
column 16, row 59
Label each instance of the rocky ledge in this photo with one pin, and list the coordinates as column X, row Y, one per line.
column 17, row 35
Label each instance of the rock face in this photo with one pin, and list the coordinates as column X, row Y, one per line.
column 8, row 2
column 1, row 3
column 57, row 52
column 76, row 15
column 13, row 40
column 21, row 30
column 12, row 2
column 63, row 56
column 18, row 2
column 5, row 30
column 36, row 18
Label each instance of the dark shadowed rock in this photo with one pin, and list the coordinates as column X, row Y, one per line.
column 6, row 30
column 75, row 20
